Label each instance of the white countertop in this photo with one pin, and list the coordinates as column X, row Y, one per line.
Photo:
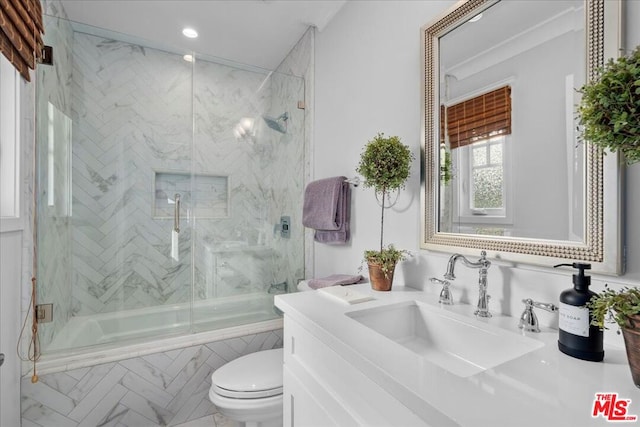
column 542, row 388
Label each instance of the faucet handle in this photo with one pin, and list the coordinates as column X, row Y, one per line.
column 528, row 319
column 445, row 294
column 547, row 306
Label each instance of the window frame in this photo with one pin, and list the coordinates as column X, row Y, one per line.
column 10, row 158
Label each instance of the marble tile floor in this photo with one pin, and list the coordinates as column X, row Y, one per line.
column 215, row 420
column 162, row 389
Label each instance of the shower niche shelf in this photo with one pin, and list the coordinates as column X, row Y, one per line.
column 207, row 196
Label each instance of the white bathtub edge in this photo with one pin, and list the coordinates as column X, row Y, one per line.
column 57, row 363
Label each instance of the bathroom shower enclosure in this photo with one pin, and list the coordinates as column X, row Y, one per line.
column 156, row 216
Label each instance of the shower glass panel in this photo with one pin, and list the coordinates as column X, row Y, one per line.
column 131, row 136
column 242, row 259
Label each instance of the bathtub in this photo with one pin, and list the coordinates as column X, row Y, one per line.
column 100, row 338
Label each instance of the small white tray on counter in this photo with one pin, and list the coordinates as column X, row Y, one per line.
column 345, row 294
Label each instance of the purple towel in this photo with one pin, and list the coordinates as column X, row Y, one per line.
column 333, row 280
column 327, row 209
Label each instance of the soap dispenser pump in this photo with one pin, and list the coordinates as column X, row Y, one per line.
column 577, row 336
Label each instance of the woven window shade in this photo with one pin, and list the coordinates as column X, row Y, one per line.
column 479, row 118
column 21, row 25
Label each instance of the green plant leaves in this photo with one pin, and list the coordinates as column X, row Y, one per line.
column 387, row 258
column 609, row 111
column 614, row 306
column 385, row 163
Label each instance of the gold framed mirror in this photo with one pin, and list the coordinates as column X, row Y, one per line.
column 503, row 167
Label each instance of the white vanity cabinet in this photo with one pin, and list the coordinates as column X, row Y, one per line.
column 321, row 388
column 340, row 372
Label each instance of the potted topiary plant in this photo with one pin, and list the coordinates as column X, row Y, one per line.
column 609, row 111
column 623, row 308
column 385, row 164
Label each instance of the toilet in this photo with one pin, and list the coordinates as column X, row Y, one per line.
column 249, row 389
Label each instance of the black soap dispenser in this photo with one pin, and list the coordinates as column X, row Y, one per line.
column 578, row 337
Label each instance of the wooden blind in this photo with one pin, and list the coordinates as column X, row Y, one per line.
column 21, row 25
column 479, row 118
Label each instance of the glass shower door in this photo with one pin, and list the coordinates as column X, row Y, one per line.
column 248, row 174
column 114, row 148
column 129, row 138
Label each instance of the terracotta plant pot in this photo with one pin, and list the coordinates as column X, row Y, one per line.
column 380, row 281
column 631, row 335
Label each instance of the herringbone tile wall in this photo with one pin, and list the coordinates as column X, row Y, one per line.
column 162, row 389
column 114, row 201
column 133, row 110
column 167, row 388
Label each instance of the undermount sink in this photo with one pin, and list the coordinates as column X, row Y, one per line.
column 463, row 346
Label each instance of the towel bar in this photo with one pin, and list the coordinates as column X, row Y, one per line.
column 355, row 181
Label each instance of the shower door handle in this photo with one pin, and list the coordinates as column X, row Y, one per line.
column 176, row 214
column 1, row 358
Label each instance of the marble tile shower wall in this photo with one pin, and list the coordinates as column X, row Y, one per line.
column 54, row 87
column 132, row 116
column 132, row 113
column 165, row 388
column 263, row 172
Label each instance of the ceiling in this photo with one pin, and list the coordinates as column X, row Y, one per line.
column 508, row 26
column 254, row 32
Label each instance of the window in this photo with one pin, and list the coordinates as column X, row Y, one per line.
column 487, row 177
column 483, row 188
column 478, row 130
column 9, row 141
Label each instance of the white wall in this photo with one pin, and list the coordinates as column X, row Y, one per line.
column 367, row 81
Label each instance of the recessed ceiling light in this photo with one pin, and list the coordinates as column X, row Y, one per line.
column 188, row 58
column 474, row 19
column 190, row 32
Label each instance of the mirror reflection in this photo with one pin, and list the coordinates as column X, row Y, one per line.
column 510, row 160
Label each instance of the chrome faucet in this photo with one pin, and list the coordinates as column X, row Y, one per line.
column 483, row 264
column 528, row 319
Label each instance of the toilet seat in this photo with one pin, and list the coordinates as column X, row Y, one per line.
column 247, row 394
column 253, row 376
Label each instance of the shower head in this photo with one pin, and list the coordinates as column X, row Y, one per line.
column 278, row 124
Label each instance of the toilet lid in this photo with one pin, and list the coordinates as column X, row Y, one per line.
column 251, row 376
